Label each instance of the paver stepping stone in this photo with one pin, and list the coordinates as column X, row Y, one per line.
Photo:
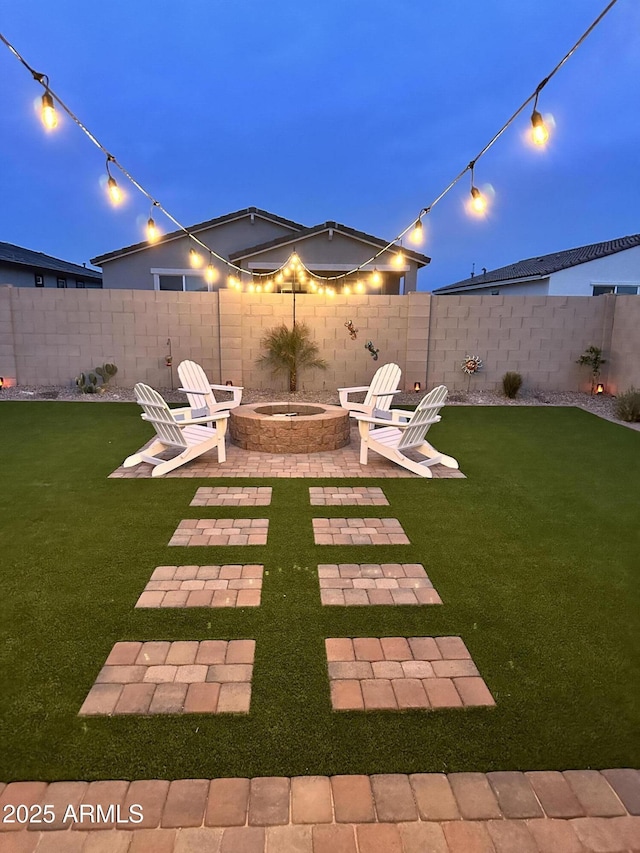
column 358, row 531
column 375, row 583
column 221, row 531
column 207, row 677
column 204, row 586
column 347, row 496
column 232, row 496
column 398, row 673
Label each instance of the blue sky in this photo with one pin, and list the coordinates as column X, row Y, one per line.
column 359, row 111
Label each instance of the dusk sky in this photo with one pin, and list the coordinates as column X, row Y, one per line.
column 358, row 111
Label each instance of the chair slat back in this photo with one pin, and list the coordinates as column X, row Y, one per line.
column 193, row 376
column 159, row 415
column 386, row 378
column 425, row 414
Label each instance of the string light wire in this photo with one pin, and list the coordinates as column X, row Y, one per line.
column 41, row 78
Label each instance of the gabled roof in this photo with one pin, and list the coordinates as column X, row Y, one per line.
column 376, row 242
column 18, row 256
column 540, row 267
column 200, row 226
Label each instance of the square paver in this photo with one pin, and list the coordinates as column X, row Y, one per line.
column 358, row 531
column 209, row 677
column 347, row 496
column 237, row 585
column 221, row 531
column 398, row 673
column 375, row 583
column 232, row 496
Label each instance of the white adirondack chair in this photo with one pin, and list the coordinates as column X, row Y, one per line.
column 200, row 394
column 407, row 433
column 188, row 435
column 379, row 394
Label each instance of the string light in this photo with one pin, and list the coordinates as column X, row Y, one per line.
column 48, row 113
column 211, row 274
column 417, row 235
column 115, row 193
column 376, row 278
column 539, row 131
column 195, row 258
column 478, row 203
column 153, row 234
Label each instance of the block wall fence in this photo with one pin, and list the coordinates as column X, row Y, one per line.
column 49, row 337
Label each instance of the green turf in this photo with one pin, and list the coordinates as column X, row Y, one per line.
column 535, row 556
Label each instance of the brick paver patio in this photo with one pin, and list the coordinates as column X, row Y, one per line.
column 358, row 531
column 500, row 812
column 347, row 496
column 395, row 673
column 375, row 583
column 211, row 677
column 341, row 463
column 232, row 496
column 221, row 531
column 204, row 586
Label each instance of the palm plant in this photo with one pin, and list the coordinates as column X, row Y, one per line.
column 290, row 351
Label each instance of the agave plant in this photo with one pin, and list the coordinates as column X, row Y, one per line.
column 290, row 351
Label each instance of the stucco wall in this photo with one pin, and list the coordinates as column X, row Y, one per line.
column 621, row 268
column 48, row 337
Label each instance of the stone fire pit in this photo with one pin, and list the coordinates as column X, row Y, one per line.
column 289, row 427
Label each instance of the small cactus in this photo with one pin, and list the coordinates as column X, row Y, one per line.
column 96, row 381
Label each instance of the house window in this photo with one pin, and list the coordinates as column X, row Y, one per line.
column 80, row 285
column 621, row 289
column 61, row 282
column 181, row 282
column 39, row 280
column 495, row 292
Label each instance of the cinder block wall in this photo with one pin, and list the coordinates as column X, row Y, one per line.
column 49, row 336
column 540, row 337
column 623, row 370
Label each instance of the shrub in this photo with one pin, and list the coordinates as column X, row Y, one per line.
column 628, row 406
column 592, row 357
column 511, row 383
column 96, row 381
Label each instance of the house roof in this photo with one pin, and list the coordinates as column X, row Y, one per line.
column 304, row 233
column 544, row 265
column 18, row 256
column 200, row 226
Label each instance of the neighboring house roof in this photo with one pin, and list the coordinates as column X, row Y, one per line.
column 17, row 256
column 536, row 268
column 200, row 226
column 304, row 233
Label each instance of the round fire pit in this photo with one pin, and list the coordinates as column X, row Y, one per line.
column 289, row 427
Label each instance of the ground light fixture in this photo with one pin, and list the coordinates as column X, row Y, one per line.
column 599, row 388
column 417, row 387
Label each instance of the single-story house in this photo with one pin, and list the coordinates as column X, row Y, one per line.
column 26, row 268
column 609, row 267
column 259, row 242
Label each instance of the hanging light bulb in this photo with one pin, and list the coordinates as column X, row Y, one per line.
column 48, row 113
column 417, row 235
column 376, row 278
column 258, row 288
column 398, row 259
column 211, row 273
column 279, row 278
column 115, row 193
column 346, row 290
column 251, row 288
column 195, row 259
column 359, row 287
column 153, row 233
column 294, row 259
column 478, row 201
column 321, row 290
column 539, row 130
column 268, row 285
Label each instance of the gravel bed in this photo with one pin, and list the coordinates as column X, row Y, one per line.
column 602, row 405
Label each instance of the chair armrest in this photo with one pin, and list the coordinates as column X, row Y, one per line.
column 193, row 391
column 355, row 388
column 388, row 423
column 229, row 388
column 205, row 419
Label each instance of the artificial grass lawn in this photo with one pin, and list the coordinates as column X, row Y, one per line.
column 535, row 556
